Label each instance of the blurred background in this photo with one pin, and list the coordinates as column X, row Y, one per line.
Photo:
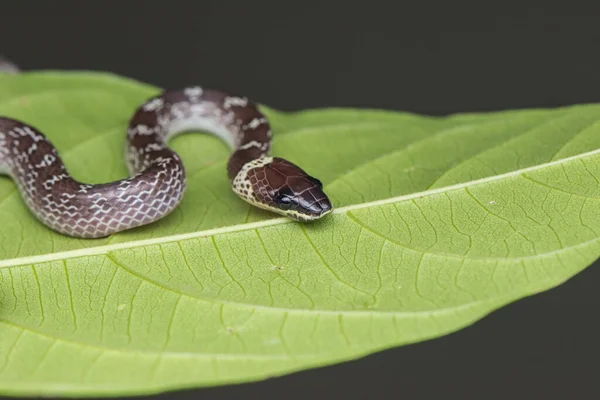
column 427, row 58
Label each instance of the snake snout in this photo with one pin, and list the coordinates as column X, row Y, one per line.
column 321, row 207
column 326, row 207
column 314, row 204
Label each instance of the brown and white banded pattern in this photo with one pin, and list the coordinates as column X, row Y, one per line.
column 157, row 180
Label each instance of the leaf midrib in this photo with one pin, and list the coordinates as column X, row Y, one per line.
column 99, row 250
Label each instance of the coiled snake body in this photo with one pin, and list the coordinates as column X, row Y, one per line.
column 157, row 178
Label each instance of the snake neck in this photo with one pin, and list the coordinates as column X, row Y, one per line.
column 242, row 159
column 244, row 185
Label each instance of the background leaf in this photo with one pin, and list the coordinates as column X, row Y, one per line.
column 439, row 221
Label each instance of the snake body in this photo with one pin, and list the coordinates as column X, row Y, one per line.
column 157, row 179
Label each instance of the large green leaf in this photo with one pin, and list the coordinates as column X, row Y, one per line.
column 439, row 221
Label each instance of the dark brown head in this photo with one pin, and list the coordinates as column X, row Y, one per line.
column 280, row 186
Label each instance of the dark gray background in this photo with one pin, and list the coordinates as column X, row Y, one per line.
column 428, row 58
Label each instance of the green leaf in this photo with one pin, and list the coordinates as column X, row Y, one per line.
column 438, row 222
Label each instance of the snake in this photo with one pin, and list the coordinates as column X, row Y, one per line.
column 156, row 180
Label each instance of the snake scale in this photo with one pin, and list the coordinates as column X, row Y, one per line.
column 157, row 179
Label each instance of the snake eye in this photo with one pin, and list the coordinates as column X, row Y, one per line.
column 285, row 200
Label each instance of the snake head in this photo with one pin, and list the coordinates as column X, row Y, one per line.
column 282, row 187
column 295, row 193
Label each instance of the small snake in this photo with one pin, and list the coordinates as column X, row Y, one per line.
column 157, row 177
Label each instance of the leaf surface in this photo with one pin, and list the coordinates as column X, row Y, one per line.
column 438, row 222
